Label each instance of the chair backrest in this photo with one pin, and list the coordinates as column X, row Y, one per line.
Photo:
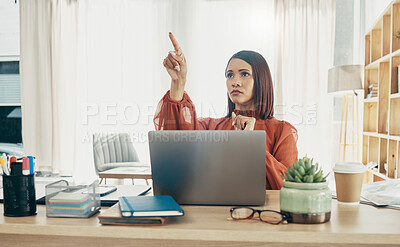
column 112, row 148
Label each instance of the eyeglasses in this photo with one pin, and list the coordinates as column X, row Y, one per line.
column 267, row 216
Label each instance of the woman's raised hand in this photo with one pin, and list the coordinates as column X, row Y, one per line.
column 175, row 63
column 242, row 122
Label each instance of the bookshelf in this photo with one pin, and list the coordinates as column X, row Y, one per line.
column 381, row 122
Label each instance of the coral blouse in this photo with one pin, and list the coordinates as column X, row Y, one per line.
column 281, row 136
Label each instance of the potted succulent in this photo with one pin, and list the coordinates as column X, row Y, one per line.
column 305, row 196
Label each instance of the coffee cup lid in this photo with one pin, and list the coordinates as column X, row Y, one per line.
column 349, row 167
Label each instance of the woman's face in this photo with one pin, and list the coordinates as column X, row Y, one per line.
column 240, row 84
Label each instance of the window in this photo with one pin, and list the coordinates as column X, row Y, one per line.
column 10, row 109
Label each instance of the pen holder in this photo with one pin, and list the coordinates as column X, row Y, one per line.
column 19, row 195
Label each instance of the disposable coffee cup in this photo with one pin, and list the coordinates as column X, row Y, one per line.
column 349, row 177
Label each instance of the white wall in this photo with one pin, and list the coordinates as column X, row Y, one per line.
column 9, row 28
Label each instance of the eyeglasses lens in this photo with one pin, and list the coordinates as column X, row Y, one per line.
column 241, row 213
column 271, row 217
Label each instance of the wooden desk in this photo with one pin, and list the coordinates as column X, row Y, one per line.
column 362, row 225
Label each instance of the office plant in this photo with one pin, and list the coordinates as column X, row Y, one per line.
column 305, row 196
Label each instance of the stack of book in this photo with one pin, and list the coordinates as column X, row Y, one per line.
column 372, row 90
column 65, row 203
column 141, row 210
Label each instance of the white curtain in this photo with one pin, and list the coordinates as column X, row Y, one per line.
column 48, row 81
column 96, row 66
column 304, row 38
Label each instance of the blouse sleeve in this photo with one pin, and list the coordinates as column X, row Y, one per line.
column 178, row 115
column 284, row 154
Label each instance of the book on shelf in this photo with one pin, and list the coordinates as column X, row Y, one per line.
column 146, row 206
column 372, row 90
column 112, row 216
column 373, row 87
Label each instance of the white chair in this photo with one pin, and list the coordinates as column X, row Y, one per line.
column 115, row 157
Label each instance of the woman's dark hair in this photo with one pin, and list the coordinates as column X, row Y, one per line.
column 263, row 91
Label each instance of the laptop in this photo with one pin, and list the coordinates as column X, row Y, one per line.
column 209, row 167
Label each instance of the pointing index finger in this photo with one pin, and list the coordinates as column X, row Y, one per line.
column 175, row 44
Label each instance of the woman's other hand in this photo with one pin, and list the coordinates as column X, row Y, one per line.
column 175, row 63
column 242, row 122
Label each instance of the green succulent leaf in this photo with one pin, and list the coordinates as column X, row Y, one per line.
column 312, row 169
column 317, row 179
column 291, row 172
column 319, row 174
column 297, row 174
column 301, row 170
column 301, row 162
column 324, row 178
column 289, row 177
column 307, row 166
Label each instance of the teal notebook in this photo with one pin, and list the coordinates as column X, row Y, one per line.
column 147, row 206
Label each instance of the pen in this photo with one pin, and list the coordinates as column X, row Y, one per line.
column 4, row 156
column 31, row 165
column 25, row 166
column 7, row 159
column 11, row 160
column 4, row 167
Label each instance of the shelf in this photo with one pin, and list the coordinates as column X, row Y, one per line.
column 373, row 149
column 381, row 116
column 383, row 102
column 392, row 159
column 393, row 83
column 365, row 149
column 376, row 42
column 395, row 96
column 367, row 49
column 383, row 144
column 394, row 123
column 396, row 53
column 387, row 11
column 370, row 117
column 378, row 174
column 371, row 100
column 374, row 134
column 386, row 34
column 394, row 138
column 375, row 64
column 395, row 26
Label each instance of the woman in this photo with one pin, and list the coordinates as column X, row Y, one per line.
column 250, row 107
